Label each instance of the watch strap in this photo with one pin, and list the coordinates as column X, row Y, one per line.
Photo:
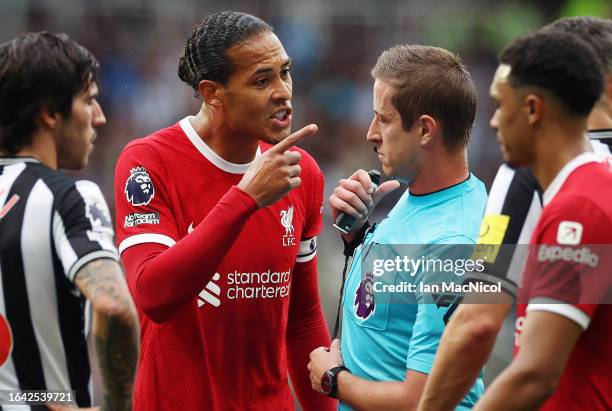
column 333, row 373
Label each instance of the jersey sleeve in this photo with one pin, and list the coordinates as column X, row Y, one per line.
column 568, row 269
column 512, row 212
column 142, row 199
column 314, row 211
column 426, row 333
column 82, row 228
column 431, row 317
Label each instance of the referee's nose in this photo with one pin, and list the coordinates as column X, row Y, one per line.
column 374, row 135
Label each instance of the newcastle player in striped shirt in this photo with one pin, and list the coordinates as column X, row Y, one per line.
column 514, row 207
column 56, row 238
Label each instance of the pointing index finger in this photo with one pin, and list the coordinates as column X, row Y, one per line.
column 295, row 138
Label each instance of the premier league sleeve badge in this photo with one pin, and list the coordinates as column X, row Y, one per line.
column 139, row 188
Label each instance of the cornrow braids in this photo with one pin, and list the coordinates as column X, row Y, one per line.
column 205, row 55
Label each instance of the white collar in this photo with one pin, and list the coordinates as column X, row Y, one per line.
column 599, row 134
column 567, row 169
column 7, row 161
column 210, row 155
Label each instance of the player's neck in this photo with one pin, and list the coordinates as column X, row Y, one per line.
column 557, row 147
column 222, row 141
column 43, row 149
column 600, row 119
column 439, row 173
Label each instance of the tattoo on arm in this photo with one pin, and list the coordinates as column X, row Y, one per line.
column 115, row 329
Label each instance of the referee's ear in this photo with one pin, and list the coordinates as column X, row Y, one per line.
column 428, row 129
column 210, row 92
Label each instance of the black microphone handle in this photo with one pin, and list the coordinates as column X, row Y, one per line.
column 345, row 222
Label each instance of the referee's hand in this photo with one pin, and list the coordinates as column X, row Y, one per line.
column 277, row 171
column 356, row 197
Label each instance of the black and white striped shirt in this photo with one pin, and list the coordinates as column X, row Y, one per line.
column 50, row 226
column 513, row 210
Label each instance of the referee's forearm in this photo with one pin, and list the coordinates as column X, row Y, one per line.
column 465, row 347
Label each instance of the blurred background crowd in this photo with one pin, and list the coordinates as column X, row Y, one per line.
column 334, row 44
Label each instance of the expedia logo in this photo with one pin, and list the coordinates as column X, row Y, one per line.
column 575, row 255
column 139, row 188
column 569, row 232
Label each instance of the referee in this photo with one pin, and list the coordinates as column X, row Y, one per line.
column 56, row 238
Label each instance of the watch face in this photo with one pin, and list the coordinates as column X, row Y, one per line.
column 326, row 382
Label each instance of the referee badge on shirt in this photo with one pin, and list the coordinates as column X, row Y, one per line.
column 139, row 188
column 365, row 297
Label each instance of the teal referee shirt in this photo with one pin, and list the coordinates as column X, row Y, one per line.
column 380, row 341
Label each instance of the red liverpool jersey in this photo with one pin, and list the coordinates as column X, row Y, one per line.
column 224, row 345
column 575, row 224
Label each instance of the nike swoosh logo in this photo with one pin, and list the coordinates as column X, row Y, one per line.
column 190, row 228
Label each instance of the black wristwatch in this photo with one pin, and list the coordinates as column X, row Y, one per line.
column 329, row 381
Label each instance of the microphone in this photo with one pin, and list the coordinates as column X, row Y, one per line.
column 345, row 222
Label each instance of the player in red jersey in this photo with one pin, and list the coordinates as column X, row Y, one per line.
column 217, row 218
column 545, row 87
column 513, row 209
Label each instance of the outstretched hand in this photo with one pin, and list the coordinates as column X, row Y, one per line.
column 277, row 171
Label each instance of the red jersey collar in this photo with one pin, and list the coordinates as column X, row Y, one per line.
column 208, row 152
column 567, row 169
